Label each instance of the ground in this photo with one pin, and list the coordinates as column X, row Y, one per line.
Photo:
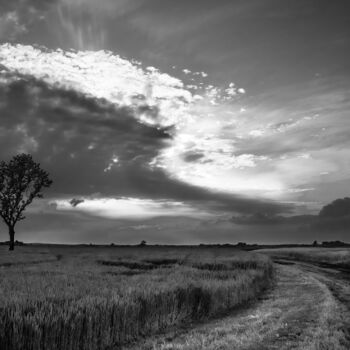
column 307, row 308
column 306, row 304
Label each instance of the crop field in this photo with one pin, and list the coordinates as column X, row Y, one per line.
column 339, row 257
column 307, row 307
column 105, row 297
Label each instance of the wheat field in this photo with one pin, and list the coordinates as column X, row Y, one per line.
column 95, row 298
column 336, row 257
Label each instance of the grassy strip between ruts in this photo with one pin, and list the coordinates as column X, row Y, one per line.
column 87, row 300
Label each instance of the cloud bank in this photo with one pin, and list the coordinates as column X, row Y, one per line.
column 103, row 125
column 149, row 134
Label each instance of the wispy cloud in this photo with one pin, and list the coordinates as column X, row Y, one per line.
column 81, row 23
column 17, row 16
column 10, row 26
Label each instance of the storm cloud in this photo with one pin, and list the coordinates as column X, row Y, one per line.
column 199, row 109
column 91, row 146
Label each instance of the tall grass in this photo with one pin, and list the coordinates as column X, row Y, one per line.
column 339, row 257
column 102, row 298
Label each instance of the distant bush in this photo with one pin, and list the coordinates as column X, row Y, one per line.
column 143, row 244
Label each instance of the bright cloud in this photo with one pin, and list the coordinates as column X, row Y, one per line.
column 114, row 161
column 214, row 145
column 102, row 75
column 128, row 208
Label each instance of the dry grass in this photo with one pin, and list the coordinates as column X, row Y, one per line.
column 333, row 256
column 300, row 312
column 99, row 298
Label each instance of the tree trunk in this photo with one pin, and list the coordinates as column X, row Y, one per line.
column 12, row 237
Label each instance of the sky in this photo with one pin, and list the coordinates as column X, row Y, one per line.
column 169, row 121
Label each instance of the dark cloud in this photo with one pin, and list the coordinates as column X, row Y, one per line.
column 334, row 218
column 257, row 219
column 337, row 209
column 192, row 156
column 76, row 139
column 262, row 218
column 73, row 136
column 332, row 225
column 74, row 202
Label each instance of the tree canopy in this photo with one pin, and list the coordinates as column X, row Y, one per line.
column 21, row 180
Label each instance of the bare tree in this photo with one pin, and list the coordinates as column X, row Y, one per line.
column 21, row 180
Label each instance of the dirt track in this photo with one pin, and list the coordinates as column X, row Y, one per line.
column 336, row 279
column 308, row 307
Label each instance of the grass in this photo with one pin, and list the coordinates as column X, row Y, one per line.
column 300, row 312
column 338, row 257
column 101, row 298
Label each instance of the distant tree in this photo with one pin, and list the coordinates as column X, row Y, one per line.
column 338, row 208
column 314, row 244
column 143, row 243
column 21, row 180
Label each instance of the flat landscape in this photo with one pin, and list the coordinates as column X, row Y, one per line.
column 307, row 307
column 105, row 298
column 56, row 297
column 174, row 175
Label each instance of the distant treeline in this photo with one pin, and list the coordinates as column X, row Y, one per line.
column 246, row 246
column 239, row 245
column 16, row 243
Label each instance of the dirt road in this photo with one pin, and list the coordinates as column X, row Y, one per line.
column 308, row 307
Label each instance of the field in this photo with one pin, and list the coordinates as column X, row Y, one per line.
column 103, row 298
column 307, row 308
column 336, row 257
